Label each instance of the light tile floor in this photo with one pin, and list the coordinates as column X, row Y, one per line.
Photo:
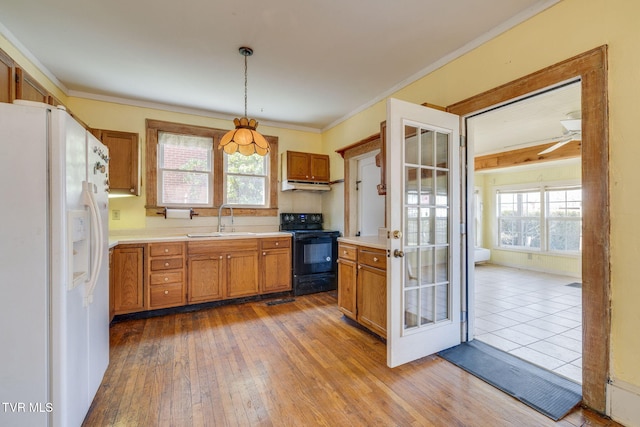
column 532, row 315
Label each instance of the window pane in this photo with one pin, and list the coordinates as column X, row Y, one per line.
column 565, row 235
column 442, row 150
column 246, row 190
column 520, row 232
column 427, row 305
column 184, row 169
column 426, row 147
column 248, row 165
column 564, row 224
column 530, row 204
column 180, row 187
column 184, row 152
column 411, row 145
column 530, row 233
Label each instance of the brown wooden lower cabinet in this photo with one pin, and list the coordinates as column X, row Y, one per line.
column 206, row 277
column 127, row 271
column 170, row 274
column 242, row 273
column 166, row 266
column 275, row 265
column 362, row 286
column 347, row 280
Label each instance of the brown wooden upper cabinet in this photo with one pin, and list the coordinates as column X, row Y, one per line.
column 307, row 167
column 28, row 88
column 7, row 78
column 124, row 170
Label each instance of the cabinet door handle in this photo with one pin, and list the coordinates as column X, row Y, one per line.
column 375, row 259
column 264, row 254
column 277, row 243
column 166, row 264
column 220, row 256
column 166, row 250
column 228, row 256
column 166, row 279
column 166, row 292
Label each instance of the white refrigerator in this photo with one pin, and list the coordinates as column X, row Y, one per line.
column 54, row 292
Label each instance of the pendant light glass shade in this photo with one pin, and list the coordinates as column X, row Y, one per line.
column 244, row 139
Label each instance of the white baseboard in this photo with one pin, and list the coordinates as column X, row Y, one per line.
column 623, row 403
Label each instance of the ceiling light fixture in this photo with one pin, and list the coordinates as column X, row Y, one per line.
column 244, row 139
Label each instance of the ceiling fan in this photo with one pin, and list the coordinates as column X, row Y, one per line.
column 572, row 131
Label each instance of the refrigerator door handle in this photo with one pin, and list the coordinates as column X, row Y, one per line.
column 97, row 250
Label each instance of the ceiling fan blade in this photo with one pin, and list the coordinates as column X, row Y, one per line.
column 557, row 145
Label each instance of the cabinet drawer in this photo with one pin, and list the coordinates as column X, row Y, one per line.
column 223, row 245
column 373, row 258
column 347, row 252
column 163, row 249
column 167, row 277
column 166, row 296
column 166, row 264
column 280, row 243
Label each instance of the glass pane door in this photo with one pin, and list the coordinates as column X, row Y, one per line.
column 424, row 209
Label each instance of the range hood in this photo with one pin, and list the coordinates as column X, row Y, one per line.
column 305, row 186
column 302, row 171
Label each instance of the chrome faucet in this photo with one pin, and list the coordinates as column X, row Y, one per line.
column 220, row 216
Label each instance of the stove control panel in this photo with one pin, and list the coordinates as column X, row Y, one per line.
column 295, row 221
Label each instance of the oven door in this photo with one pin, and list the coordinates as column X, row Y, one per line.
column 314, row 253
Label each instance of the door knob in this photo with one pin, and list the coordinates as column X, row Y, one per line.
column 398, row 253
column 397, row 234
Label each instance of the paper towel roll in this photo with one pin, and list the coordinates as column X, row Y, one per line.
column 179, row 213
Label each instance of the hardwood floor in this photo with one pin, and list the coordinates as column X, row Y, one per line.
column 294, row 364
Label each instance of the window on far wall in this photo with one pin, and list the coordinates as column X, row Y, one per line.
column 185, row 169
column 543, row 219
column 564, row 219
column 185, row 172
column 519, row 219
column 246, row 179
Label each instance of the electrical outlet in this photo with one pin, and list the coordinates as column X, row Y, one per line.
column 115, row 214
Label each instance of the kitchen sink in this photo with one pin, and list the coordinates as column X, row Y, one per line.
column 221, row 234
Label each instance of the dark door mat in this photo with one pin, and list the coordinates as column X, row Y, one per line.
column 542, row 390
column 575, row 285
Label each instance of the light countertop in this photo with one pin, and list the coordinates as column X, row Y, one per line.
column 370, row 241
column 115, row 240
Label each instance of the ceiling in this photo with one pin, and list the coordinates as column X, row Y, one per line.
column 315, row 62
column 528, row 122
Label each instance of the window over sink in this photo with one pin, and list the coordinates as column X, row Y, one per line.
column 184, row 169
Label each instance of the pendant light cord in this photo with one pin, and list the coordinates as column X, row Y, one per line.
column 245, row 86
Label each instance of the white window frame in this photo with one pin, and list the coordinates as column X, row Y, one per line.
column 539, row 218
column 549, row 218
column 544, row 218
column 160, row 176
column 265, row 177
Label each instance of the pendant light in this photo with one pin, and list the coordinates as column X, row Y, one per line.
column 244, row 139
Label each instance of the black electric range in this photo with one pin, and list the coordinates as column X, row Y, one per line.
column 314, row 252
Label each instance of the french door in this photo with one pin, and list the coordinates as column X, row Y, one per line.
column 423, row 204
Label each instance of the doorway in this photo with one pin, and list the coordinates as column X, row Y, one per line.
column 370, row 204
column 591, row 68
column 527, row 286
